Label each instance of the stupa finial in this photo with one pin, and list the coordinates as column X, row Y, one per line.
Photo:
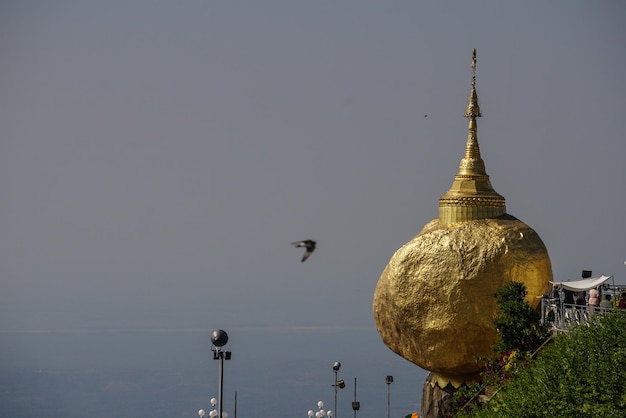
column 473, row 110
column 471, row 196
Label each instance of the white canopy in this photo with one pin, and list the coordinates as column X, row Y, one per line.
column 584, row 284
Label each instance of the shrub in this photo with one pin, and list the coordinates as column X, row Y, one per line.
column 581, row 374
column 517, row 323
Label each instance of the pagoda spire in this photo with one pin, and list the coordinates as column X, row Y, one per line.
column 472, row 109
column 471, row 196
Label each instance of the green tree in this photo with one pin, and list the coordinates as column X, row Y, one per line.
column 581, row 374
column 517, row 322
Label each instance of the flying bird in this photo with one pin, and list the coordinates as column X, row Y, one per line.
column 308, row 244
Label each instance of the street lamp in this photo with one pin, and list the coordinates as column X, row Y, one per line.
column 388, row 380
column 219, row 338
column 339, row 384
column 320, row 412
column 355, row 405
column 213, row 413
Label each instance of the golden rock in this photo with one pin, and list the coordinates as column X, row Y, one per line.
column 434, row 304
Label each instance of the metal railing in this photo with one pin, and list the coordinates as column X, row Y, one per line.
column 561, row 316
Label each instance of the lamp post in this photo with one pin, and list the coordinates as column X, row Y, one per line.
column 355, row 405
column 219, row 338
column 388, row 380
column 339, row 384
column 320, row 411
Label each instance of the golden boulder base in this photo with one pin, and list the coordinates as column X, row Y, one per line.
column 434, row 304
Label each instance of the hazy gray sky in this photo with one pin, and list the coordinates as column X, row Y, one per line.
column 158, row 158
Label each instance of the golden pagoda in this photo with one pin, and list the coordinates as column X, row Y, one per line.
column 471, row 195
column 433, row 303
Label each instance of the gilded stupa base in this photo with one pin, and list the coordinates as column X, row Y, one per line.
column 456, row 382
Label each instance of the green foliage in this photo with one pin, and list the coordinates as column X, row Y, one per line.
column 466, row 398
column 581, row 374
column 517, row 323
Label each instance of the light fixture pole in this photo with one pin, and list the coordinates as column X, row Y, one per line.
column 388, row 380
column 355, row 405
column 219, row 338
column 339, row 384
